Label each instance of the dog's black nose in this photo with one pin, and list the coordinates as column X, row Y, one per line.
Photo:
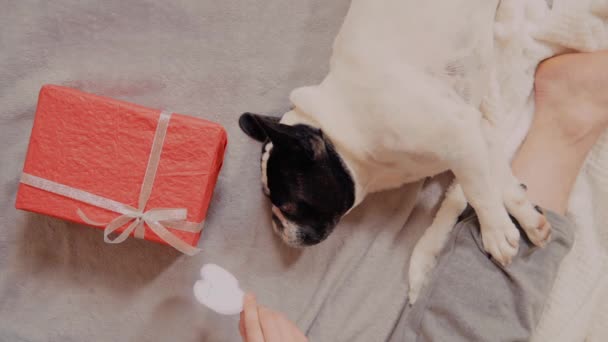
column 309, row 237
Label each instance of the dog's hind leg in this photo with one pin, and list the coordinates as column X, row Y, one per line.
column 427, row 249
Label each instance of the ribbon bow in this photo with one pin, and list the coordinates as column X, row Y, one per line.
column 156, row 218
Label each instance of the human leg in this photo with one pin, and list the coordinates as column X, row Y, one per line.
column 571, row 114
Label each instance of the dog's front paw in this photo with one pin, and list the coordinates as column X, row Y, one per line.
column 540, row 234
column 530, row 218
column 501, row 241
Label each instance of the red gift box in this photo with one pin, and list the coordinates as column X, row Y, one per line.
column 113, row 164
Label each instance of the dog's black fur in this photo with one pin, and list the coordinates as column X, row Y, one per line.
column 303, row 159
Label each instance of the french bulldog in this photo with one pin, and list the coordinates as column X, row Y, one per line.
column 401, row 102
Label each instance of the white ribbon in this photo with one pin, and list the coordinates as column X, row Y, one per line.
column 156, row 219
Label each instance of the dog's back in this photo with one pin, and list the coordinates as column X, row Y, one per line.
column 395, row 73
column 440, row 38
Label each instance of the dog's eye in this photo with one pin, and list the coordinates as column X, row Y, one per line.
column 289, row 208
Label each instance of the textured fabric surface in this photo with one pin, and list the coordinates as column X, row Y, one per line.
column 473, row 298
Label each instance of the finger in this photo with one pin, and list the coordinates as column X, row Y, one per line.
column 269, row 324
column 253, row 331
column 242, row 327
column 285, row 329
column 296, row 334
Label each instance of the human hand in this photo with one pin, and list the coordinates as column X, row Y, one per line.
column 260, row 324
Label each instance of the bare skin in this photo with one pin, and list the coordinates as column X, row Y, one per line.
column 571, row 114
column 261, row 324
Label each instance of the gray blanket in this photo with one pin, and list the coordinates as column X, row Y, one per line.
column 212, row 59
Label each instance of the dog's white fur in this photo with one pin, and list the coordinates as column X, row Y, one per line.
column 401, row 103
column 265, row 156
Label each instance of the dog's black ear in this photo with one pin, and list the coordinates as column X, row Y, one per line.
column 297, row 138
column 256, row 126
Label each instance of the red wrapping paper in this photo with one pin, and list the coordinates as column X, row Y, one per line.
column 101, row 145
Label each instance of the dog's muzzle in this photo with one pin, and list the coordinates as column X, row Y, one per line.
column 292, row 234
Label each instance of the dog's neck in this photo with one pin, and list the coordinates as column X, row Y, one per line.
column 358, row 170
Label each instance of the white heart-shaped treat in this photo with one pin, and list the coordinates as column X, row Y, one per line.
column 219, row 290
